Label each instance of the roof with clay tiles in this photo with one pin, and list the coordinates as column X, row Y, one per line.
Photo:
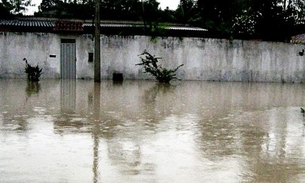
column 298, row 38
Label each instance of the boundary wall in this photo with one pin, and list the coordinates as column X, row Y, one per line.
column 203, row 58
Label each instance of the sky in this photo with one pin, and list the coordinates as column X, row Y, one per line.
column 171, row 4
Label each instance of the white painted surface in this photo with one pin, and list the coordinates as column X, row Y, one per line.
column 203, row 59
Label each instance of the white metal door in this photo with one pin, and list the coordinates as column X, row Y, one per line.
column 68, row 59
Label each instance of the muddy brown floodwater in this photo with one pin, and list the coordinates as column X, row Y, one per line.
column 140, row 131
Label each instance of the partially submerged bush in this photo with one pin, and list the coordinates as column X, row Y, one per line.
column 150, row 63
column 33, row 73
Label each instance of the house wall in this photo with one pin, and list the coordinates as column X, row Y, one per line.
column 203, row 59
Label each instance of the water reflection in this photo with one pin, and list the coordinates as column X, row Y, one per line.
column 146, row 132
column 68, row 95
column 32, row 88
column 96, row 130
column 303, row 125
column 67, row 119
column 155, row 111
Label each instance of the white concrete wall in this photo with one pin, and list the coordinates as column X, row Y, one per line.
column 35, row 47
column 203, row 59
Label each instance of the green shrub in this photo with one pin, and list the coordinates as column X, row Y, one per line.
column 33, row 73
column 150, row 63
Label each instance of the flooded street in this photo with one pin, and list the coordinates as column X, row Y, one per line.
column 140, row 131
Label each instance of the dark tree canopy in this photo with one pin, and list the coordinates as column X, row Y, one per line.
column 8, row 8
column 274, row 20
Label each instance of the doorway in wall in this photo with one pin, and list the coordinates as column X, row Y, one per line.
column 68, row 59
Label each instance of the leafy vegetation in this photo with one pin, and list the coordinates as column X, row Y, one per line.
column 271, row 20
column 150, row 63
column 8, row 8
column 33, row 73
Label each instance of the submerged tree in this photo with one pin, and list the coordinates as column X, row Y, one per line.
column 150, row 63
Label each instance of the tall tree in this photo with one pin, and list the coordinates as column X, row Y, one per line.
column 273, row 20
column 217, row 15
column 13, row 7
column 263, row 19
column 187, row 13
column 121, row 9
column 151, row 16
column 47, row 5
column 66, row 9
